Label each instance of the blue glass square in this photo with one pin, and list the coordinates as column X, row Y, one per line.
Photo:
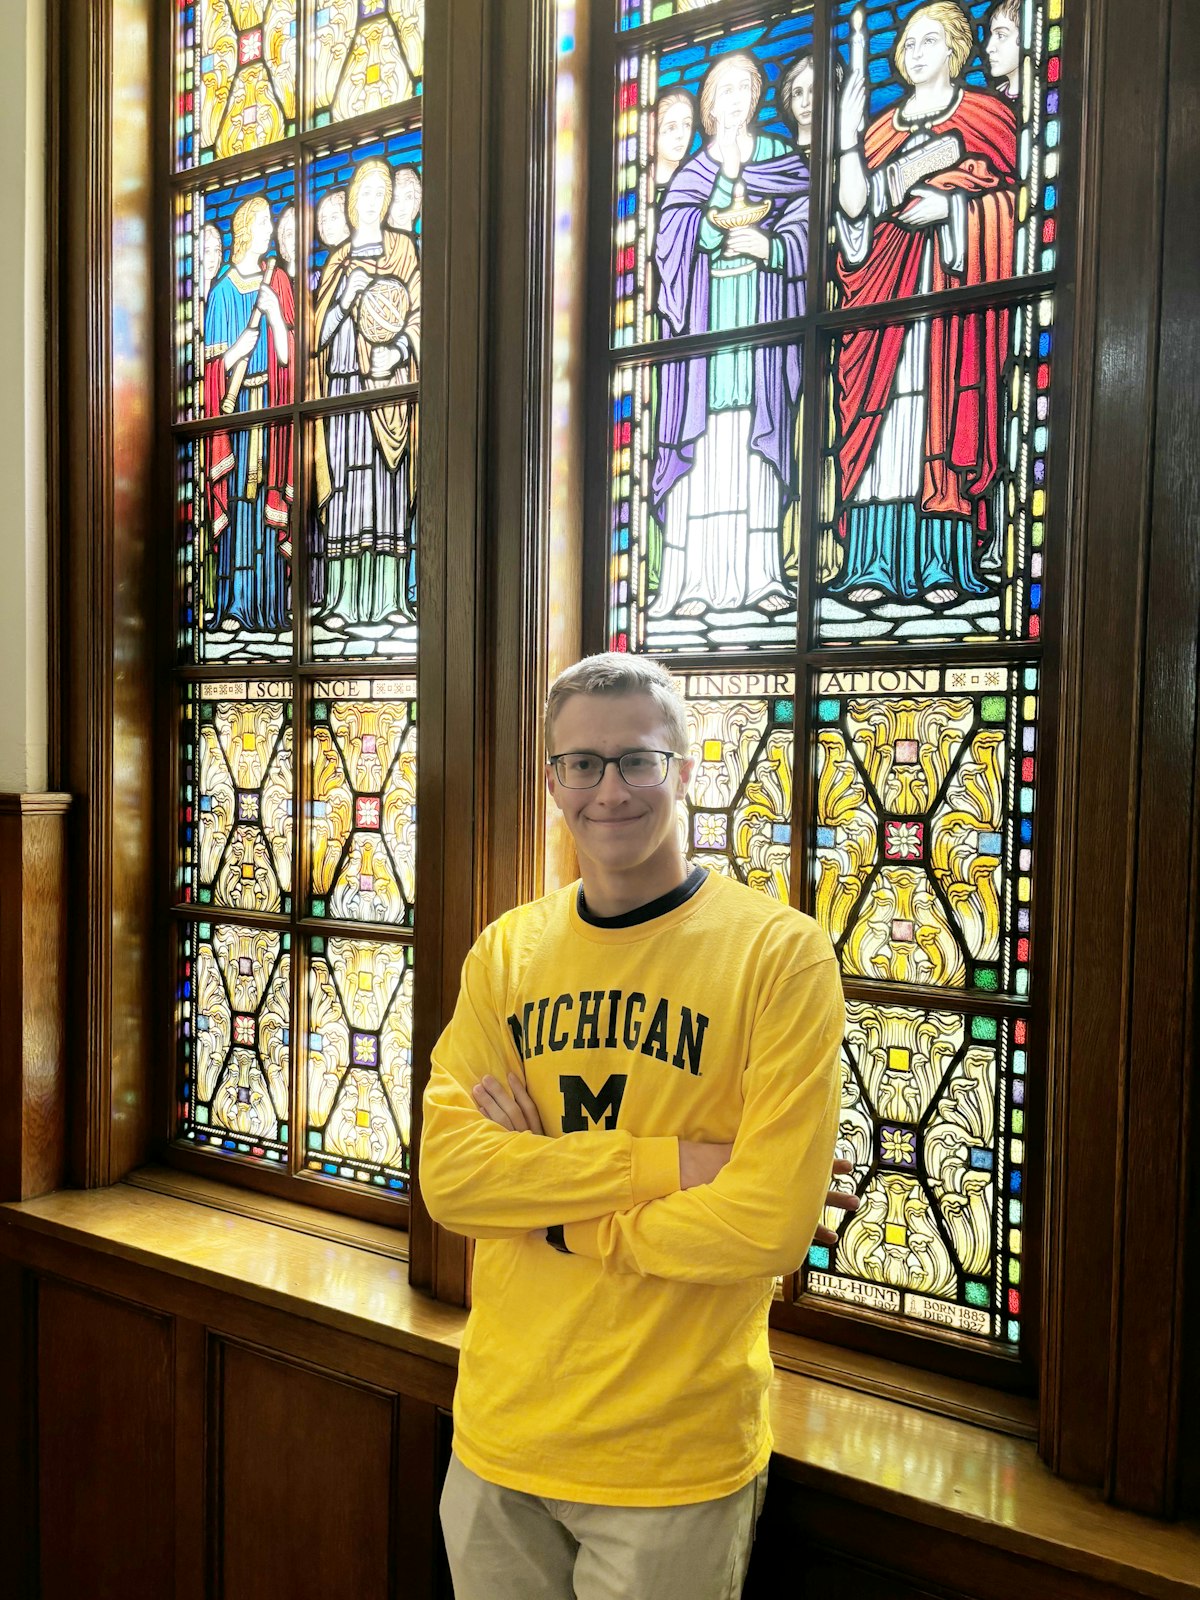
column 826, row 838
column 990, row 844
column 981, row 1160
column 781, row 833
column 818, row 1256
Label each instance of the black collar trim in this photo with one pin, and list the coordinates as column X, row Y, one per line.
column 653, row 908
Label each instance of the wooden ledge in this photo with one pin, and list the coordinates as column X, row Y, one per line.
column 937, row 1471
column 344, row 1285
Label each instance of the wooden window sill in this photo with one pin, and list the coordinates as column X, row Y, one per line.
column 841, row 1425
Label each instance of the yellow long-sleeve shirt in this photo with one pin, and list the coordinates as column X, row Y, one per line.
column 634, row 1370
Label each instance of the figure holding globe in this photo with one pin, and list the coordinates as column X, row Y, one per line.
column 368, row 336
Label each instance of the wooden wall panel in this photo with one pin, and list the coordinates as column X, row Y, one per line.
column 18, row 1493
column 33, row 931
column 304, row 1481
column 104, row 1446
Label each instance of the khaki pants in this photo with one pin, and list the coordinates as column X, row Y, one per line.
column 504, row 1545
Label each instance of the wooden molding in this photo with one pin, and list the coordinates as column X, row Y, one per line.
column 33, row 928
column 105, row 458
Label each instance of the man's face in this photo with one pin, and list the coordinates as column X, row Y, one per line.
column 1003, row 47
column 926, row 53
column 802, row 103
column 616, row 828
column 674, row 131
column 287, row 236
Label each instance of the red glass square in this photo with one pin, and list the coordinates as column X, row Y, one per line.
column 366, row 811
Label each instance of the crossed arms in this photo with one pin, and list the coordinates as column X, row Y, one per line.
column 655, row 1205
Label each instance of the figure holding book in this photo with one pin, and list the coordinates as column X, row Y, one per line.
column 925, row 202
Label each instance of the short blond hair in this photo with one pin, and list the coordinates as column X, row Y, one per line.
column 960, row 36
column 617, row 672
column 376, row 167
column 708, row 93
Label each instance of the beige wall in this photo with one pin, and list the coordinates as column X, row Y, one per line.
column 23, row 607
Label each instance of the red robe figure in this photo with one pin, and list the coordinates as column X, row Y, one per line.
column 925, row 202
column 248, row 365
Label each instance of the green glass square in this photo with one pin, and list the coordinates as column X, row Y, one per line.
column 987, row 978
column 321, row 711
column 201, row 1114
column 287, row 905
column 283, row 1133
column 314, row 1139
column 983, row 1028
column 992, row 708
column 285, row 941
column 1018, row 1122
column 205, row 930
column 205, row 897
column 318, row 908
column 318, row 947
column 784, row 713
column 828, row 710
column 977, row 1293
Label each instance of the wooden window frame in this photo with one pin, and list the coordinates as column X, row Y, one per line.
column 1120, row 1208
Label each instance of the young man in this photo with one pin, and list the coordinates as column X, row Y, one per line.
column 634, row 1111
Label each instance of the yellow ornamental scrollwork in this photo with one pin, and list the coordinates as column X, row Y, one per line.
column 842, row 868
column 902, row 934
column 973, row 810
column 928, row 733
column 963, row 1122
column 893, row 1239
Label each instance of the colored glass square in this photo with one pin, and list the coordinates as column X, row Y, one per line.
column 826, row 838
column 364, row 1048
column 781, row 833
column 362, row 1118
column 981, row 1160
column 983, row 1028
column 712, row 749
column 902, row 841
column 899, row 1059
column 976, row 1293
column 366, row 811
column 828, row 711
column 908, row 752
column 902, row 930
column 898, row 1146
column 990, row 844
column 247, row 807
column 895, row 1233
column 818, row 1256
column 992, row 708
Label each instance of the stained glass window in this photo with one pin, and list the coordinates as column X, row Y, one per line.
column 365, row 55
column 362, row 830
column 296, row 255
column 234, row 1022
column 741, row 728
column 830, row 509
column 359, row 1068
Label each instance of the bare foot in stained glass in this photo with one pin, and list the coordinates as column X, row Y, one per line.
column 772, row 603
column 941, row 597
column 865, row 597
column 691, row 608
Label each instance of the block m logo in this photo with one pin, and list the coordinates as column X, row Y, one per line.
column 583, row 1109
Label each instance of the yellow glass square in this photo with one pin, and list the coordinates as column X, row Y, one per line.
column 373, row 72
column 363, row 1119
column 247, row 741
column 712, row 749
column 247, row 871
column 899, row 1060
column 895, row 1233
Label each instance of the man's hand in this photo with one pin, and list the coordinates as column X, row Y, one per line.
column 511, row 1108
column 699, row 1163
column 839, row 1198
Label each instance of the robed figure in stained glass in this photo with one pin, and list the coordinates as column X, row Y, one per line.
column 249, row 356
column 731, row 250
column 368, row 326
column 925, row 202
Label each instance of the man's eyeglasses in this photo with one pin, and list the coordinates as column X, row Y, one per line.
column 641, row 769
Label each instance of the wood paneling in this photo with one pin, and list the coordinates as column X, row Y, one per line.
column 303, row 1481
column 33, row 927
column 18, row 1391
column 104, row 1446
